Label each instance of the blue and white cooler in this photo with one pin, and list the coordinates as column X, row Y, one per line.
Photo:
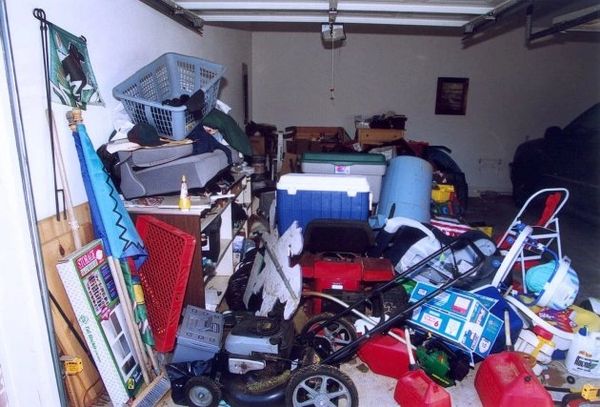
column 304, row 197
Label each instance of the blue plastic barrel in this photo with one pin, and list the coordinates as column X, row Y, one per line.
column 406, row 190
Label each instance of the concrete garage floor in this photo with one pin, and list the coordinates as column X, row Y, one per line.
column 580, row 243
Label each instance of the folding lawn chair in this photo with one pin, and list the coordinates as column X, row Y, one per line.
column 540, row 212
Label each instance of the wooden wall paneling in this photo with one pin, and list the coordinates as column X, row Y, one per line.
column 57, row 241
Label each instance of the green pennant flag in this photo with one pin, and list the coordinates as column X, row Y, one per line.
column 71, row 76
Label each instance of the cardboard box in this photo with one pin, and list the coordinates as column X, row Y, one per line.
column 258, row 145
column 460, row 317
column 378, row 136
column 319, row 133
column 289, row 164
column 300, row 147
column 93, row 295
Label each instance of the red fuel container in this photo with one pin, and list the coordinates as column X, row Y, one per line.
column 416, row 389
column 385, row 355
column 506, row 380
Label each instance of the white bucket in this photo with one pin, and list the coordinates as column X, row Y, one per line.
column 583, row 357
column 560, row 291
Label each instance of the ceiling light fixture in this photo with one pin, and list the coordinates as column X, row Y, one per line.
column 332, row 32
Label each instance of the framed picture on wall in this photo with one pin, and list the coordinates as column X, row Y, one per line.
column 451, row 96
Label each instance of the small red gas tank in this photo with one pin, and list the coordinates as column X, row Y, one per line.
column 416, row 389
column 506, row 380
column 385, row 355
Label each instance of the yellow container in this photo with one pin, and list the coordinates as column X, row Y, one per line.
column 441, row 193
column 488, row 230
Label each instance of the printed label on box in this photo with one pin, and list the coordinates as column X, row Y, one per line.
column 92, row 293
column 452, row 328
column 341, row 169
column 461, row 305
column 431, row 320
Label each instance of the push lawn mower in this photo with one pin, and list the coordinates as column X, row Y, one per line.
column 266, row 365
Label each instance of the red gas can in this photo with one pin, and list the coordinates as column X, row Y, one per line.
column 417, row 389
column 385, row 355
column 506, row 380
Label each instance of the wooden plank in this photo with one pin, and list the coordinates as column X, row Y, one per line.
column 50, row 228
column 57, row 241
column 379, row 136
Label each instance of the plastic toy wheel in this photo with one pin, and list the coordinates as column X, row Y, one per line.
column 321, row 385
column 331, row 337
column 202, row 391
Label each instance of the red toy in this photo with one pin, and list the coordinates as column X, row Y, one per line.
column 342, row 272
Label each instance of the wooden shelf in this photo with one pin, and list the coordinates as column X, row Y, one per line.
column 378, row 136
column 201, row 293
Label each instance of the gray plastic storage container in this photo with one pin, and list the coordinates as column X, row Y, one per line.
column 371, row 166
column 199, row 335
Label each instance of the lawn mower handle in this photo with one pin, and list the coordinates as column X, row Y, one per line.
column 384, row 325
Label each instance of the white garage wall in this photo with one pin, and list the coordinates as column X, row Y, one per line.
column 514, row 92
column 27, row 377
column 123, row 36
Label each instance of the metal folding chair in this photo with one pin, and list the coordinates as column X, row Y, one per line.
column 544, row 223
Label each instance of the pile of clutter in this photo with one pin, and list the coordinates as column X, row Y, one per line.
column 349, row 263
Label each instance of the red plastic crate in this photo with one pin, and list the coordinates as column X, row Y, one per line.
column 164, row 276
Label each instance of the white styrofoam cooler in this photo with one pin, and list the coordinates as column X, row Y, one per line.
column 304, row 197
column 371, row 166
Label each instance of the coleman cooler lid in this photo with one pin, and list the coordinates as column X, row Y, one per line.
column 352, row 184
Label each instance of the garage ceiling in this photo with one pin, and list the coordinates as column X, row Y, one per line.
column 541, row 17
column 436, row 13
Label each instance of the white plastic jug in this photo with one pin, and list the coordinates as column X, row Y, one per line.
column 583, row 357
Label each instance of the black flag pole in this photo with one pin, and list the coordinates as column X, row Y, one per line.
column 59, row 195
